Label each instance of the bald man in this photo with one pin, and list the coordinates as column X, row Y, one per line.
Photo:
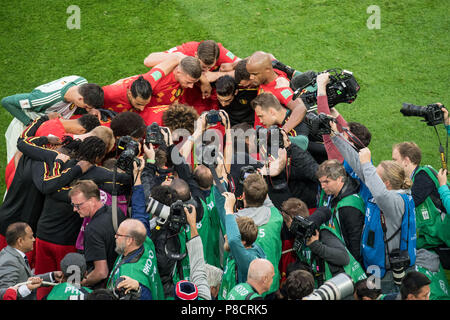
column 136, row 265
column 259, row 280
column 262, row 74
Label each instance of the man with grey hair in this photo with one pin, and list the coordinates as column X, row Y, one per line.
column 259, row 280
column 340, row 193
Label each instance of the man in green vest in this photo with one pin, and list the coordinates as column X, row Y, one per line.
column 340, row 193
column 259, row 280
column 74, row 269
column 137, row 257
column 259, row 207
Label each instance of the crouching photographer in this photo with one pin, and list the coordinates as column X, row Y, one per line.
column 321, row 247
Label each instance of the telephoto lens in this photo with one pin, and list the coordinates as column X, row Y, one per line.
column 337, row 288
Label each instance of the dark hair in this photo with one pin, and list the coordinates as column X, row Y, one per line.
column 208, row 51
column 361, row 290
column 266, row 100
column 240, row 71
column 295, row 207
column 361, row 132
column 225, row 86
column 255, row 189
column 298, row 284
column 180, row 116
column 92, row 94
column 332, row 169
column 164, row 194
column 182, row 189
column 128, row 124
column 89, row 122
column 91, row 149
column 412, row 283
column 141, row 88
column 191, row 66
column 15, row 231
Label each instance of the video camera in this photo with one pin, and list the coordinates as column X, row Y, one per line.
column 154, row 134
column 318, row 125
column 129, row 152
column 302, row 229
column 342, row 87
column 431, row 113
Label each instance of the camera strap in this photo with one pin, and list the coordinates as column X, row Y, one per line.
column 219, row 185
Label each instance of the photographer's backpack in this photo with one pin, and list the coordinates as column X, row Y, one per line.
column 374, row 244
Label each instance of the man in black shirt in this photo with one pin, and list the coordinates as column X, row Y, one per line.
column 99, row 237
column 235, row 100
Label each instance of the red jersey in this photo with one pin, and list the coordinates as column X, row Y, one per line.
column 53, row 127
column 115, row 95
column 279, row 88
column 190, row 49
column 167, row 91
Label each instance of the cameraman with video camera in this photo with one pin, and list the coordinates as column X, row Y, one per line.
column 320, row 246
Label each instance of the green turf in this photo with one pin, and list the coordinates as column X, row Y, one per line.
column 406, row 60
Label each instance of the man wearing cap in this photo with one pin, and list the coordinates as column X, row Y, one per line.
column 73, row 267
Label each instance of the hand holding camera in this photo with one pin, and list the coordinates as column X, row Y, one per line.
column 313, row 238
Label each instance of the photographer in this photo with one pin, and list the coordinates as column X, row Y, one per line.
column 389, row 186
column 433, row 231
column 321, row 247
column 137, row 258
column 340, row 193
column 270, row 112
column 241, row 234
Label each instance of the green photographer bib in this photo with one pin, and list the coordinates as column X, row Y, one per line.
column 433, row 227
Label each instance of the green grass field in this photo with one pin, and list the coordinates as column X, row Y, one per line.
column 406, row 60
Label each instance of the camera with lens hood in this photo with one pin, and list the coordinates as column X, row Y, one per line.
column 129, row 152
column 337, row 288
column 431, row 113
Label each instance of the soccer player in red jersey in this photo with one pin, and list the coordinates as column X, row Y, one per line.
column 215, row 61
column 262, row 74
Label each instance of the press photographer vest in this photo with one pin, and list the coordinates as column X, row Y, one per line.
column 243, row 291
column 373, row 242
column 433, row 226
column 439, row 288
column 353, row 200
column 67, row 291
column 228, row 278
column 269, row 240
column 353, row 268
column 145, row 271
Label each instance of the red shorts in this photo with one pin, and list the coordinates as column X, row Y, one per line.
column 48, row 258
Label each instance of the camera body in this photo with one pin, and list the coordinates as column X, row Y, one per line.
column 173, row 215
column 120, row 294
column 213, row 117
column 154, row 135
column 130, row 151
column 266, row 136
column 318, row 125
column 245, row 171
column 399, row 260
column 302, row 229
column 431, row 113
column 342, row 87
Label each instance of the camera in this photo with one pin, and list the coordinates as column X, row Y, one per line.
column 213, row 117
column 318, row 125
column 431, row 113
column 342, row 87
column 120, row 294
column 130, row 151
column 174, row 216
column 269, row 137
column 302, row 229
column 399, row 260
column 154, row 135
column 337, row 288
column 245, row 172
